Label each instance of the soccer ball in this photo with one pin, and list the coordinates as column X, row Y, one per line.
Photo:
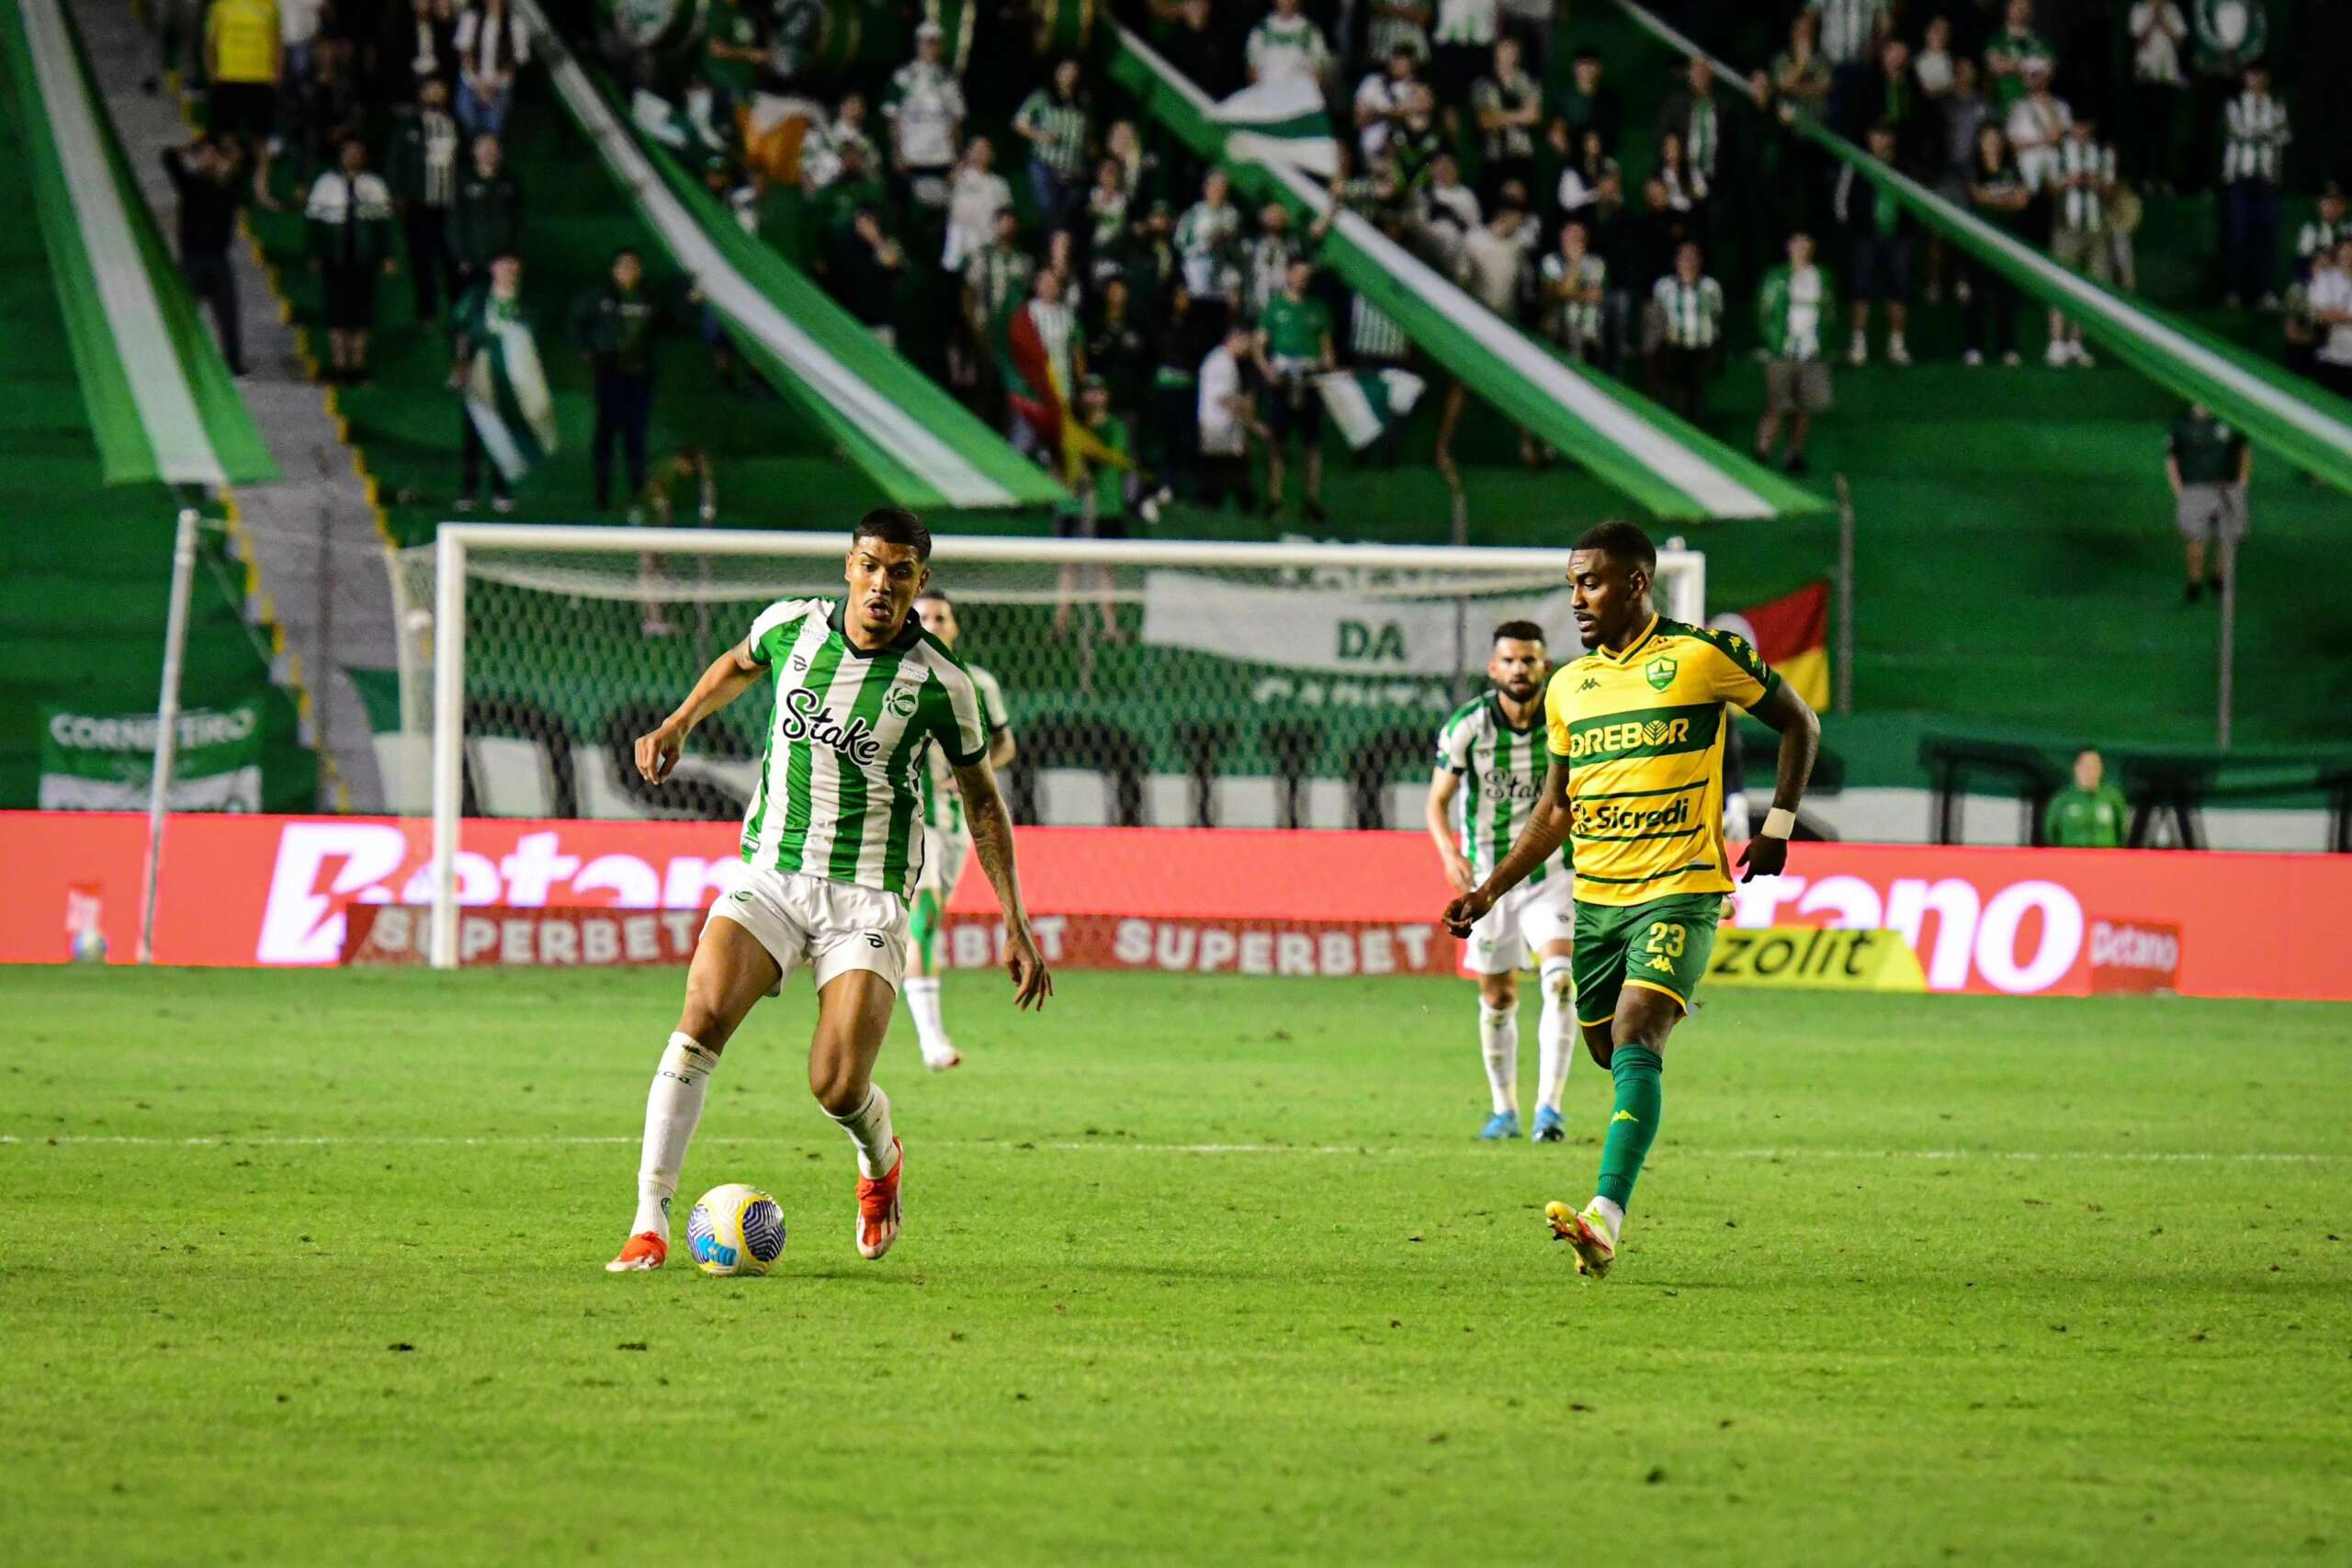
column 735, row 1229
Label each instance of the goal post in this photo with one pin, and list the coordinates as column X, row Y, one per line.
column 1287, row 683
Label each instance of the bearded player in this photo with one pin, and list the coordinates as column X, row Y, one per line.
column 1489, row 771
column 1636, row 730
column 947, row 840
column 831, row 851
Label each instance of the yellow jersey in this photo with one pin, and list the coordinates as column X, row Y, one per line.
column 243, row 34
column 1640, row 733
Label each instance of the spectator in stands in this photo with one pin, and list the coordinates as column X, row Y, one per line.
column 1381, row 99
column 422, row 40
column 1398, row 23
column 349, row 216
column 1582, row 173
column 1138, row 164
column 1508, row 107
column 316, row 112
column 493, row 44
column 1464, row 43
column 2323, row 231
column 1415, row 145
column 2329, row 294
column 486, row 218
column 1118, row 352
column 422, row 166
column 2036, row 124
column 2254, row 149
column 688, row 464
column 2208, row 464
column 298, row 35
column 1851, row 32
column 1290, row 348
column 244, row 58
column 2010, row 55
column 1932, row 67
column 1104, row 472
column 1692, row 307
column 1145, row 259
column 1794, row 311
column 1691, row 115
column 976, row 196
column 1575, row 281
column 1686, row 189
column 209, row 177
column 1208, row 242
column 1880, row 230
column 1964, row 114
column 1106, row 207
column 1267, row 257
column 998, row 279
column 1447, row 211
column 2081, row 187
column 1173, row 428
column 1495, row 269
column 1590, row 104
column 733, row 55
column 1800, row 76
column 866, row 267
column 2157, row 31
column 925, row 113
column 1646, row 242
column 497, row 300
column 1998, row 193
column 2230, row 35
column 1286, row 44
column 614, row 326
column 1225, row 420
column 1058, row 127
column 1197, row 47
column 1884, row 92
column 1535, row 24
column 2091, row 815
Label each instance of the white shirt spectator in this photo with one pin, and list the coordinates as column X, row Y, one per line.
column 1286, row 46
column 973, row 199
column 1220, row 382
column 2331, row 290
column 1493, row 266
column 1576, row 192
column 1932, row 67
column 2155, row 52
column 924, row 108
column 297, row 21
column 1850, row 29
column 1377, row 96
column 1468, row 21
column 2036, row 123
column 492, row 53
column 2257, row 133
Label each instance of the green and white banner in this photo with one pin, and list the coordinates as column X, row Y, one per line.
column 506, row 393
column 1281, row 122
column 1669, row 467
column 915, row 441
column 1365, row 403
column 2284, row 413
column 1374, row 633
column 106, row 761
column 160, row 400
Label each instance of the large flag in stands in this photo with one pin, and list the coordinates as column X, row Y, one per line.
column 1791, row 635
column 1038, row 386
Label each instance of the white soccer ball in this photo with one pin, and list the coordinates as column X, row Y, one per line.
column 735, row 1229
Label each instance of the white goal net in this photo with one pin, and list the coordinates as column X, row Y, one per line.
column 1148, row 683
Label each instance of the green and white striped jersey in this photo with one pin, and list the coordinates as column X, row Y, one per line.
column 942, row 804
column 1503, row 773
column 841, row 786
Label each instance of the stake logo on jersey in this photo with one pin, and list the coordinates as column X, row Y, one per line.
column 1502, row 775
column 942, row 808
column 841, row 787
column 1642, row 734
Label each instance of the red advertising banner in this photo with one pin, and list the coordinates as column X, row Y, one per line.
column 277, row 890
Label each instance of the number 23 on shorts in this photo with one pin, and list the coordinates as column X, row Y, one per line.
column 1667, row 943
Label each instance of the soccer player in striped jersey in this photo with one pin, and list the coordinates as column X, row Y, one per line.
column 947, row 840
column 832, row 848
column 1636, row 729
column 1489, row 773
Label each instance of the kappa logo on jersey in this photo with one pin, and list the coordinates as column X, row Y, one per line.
column 805, row 719
column 1591, row 683
column 901, row 702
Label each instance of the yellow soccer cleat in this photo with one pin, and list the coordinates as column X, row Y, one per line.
column 1587, row 1232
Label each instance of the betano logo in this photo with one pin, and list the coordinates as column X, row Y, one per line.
column 1607, row 739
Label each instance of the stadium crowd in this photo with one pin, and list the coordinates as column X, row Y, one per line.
column 996, row 184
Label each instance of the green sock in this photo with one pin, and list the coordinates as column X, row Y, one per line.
column 1634, row 1122
column 922, row 926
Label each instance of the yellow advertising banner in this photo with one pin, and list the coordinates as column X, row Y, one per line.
column 1810, row 958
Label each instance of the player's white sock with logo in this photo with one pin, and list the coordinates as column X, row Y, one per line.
column 1555, row 1030
column 922, row 992
column 1499, row 1039
column 672, row 1106
column 869, row 1132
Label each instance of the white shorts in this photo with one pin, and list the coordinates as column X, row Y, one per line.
column 942, row 861
column 832, row 927
column 1523, row 920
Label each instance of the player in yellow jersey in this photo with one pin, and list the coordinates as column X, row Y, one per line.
column 1636, row 729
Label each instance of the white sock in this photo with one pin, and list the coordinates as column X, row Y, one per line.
column 869, row 1132
column 1611, row 1214
column 1555, row 1030
column 1499, row 1039
column 672, row 1106
column 922, row 992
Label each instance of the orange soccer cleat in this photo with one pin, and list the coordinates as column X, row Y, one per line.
column 644, row 1250
column 877, row 1208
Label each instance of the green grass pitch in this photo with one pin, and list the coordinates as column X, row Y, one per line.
column 304, row 1267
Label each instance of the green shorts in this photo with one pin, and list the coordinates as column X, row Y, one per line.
column 1662, row 945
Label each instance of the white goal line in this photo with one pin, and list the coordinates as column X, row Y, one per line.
column 1124, row 1145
